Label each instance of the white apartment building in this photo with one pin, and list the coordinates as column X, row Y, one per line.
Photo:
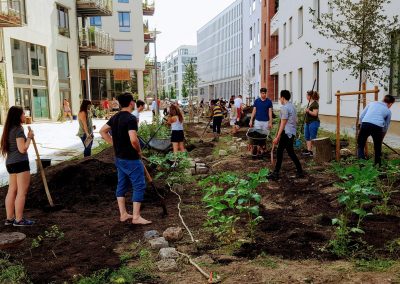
column 123, row 70
column 251, row 49
column 173, row 68
column 220, row 54
column 296, row 66
column 40, row 56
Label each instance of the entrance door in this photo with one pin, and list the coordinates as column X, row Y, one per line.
column 40, row 103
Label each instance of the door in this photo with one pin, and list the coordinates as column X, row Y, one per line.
column 40, row 104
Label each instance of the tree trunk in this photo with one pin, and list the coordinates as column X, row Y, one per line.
column 323, row 150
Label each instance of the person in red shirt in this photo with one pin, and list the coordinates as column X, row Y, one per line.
column 106, row 106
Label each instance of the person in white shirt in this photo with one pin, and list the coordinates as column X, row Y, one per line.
column 139, row 108
column 153, row 107
column 238, row 105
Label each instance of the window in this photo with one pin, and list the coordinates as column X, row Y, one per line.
column 63, row 66
column 253, row 64
column 265, row 71
column 95, row 21
column 20, row 61
column 300, row 85
column 284, row 82
column 251, row 37
column 316, row 8
column 300, row 22
column 124, row 21
column 291, row 82
column 284, row 35
column 123, row 1
column 316, row 75
column 290, row 30
column 329, row 72
column 395, row 65
column 63, row 21
column 123, row 49
column 265, row 34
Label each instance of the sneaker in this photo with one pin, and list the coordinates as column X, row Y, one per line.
column 9, row 222
column 23, row 222
column 273, row 176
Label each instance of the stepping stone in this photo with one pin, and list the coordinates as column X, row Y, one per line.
column 173, row 234
column 158, row 243
column 167, row 253
column 151, row 235
column 10, row 240
column 167, row 265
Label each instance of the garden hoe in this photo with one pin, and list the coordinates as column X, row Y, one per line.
column 297, row 143
column 390, row 148
column 205, row 130
column 52, row 207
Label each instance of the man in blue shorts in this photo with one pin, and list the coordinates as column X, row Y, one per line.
column 124, row 139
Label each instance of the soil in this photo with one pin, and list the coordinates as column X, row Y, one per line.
column 297, row 223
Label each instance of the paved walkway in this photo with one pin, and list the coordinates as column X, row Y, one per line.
column 58, row 142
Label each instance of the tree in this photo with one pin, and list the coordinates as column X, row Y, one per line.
column 363, row 32
column 172, row 93
column 185, row 92
column 163, row 94
column 190, row 79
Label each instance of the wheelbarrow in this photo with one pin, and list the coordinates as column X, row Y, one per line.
column 256, row 138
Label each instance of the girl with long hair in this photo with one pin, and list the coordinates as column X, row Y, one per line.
column 86, row 127
column 14, row 146
column 175, row 119
column 312, row 122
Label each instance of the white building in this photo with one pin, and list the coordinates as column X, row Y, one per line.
column 40, row 56
column 251, row 49
column 123, row 70
column 220, row 54
column 296, row 66
column 173, row 68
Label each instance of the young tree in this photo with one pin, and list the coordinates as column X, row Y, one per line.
column 185, row 92
column 172, row 93
column 190, row 79
column 363, row 32
column 163, row 94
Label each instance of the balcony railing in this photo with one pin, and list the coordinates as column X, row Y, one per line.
column 94, row 7
column 11, row 13
column 95, row 42
column 150, row 64
column 148, row 37
column 148, row 8
column 275, row 24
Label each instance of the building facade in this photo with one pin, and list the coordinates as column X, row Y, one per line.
column 173, row 69
column 290, row 64
column 40, row 57
column 122, row 71
column 251, row 49
column 220, row 54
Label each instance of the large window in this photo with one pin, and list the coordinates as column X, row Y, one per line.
column 395, row 65
column 95, row 21
column 300, row 85
column 290, row 30
column 284, row 35
column 124, row 19
column 20, row 61
column 316, row 75
column 62, row 63
column 63, row 21
column 300, row 22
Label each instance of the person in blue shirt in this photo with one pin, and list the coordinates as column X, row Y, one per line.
column 285, row 136
column 375, row 121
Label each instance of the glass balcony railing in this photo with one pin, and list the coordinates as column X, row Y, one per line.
column 94, row 7
column 12, row 13
column 94, row 41
column 148, row 8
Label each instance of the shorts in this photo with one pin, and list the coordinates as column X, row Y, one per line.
column 130, row 175
column 263, row 125
column 19, row 167
column 177, row 136
column 311, row 130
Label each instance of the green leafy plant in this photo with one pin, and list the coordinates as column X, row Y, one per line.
column 231, row 199
column 387, row 187
column 380, row 265
column 98, row 112
column 52, row 233
column 11, row 272
column 148, row 130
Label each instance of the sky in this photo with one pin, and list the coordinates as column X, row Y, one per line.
column 179, row 20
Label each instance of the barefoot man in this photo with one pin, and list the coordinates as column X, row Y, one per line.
column 124, row 139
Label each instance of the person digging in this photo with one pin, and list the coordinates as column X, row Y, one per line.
column 124, row 139
column 285, row 136
column 262, row 112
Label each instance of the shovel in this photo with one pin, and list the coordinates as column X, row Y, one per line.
column 46, row 188
column 204, row 132
column 297, row 143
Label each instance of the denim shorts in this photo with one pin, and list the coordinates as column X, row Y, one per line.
column 311, row 130
column 130, row 175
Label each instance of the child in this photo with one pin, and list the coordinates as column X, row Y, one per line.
column 233, row 117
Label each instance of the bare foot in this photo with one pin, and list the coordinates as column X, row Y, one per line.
column 125, row 217
column 140, row 221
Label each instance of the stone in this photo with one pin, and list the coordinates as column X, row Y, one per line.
column 204, row 259
column 222, row 153
column 345, row 152
column 243, row 146
column 239, row 139
column 200, row 165
column 167, row 253
column 167, row 265
column 158, row 243
column 173, row 234
column 9, row 240
column 197, row 160
column 151, row 234
column 202, row 170
column 233, row 148
column 178, row 188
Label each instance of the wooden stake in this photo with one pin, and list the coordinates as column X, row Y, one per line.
column 338, row 126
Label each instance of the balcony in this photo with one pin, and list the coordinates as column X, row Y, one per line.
column 274, row 65
column 148, row 8
column 11, row 13
column 150, row 64
column 148, row 37
column 91, row 8
column 95, row 42
column 275, row 24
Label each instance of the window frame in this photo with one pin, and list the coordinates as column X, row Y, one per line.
column 94, row 23
column 121, row 20
column 395, row 60
column 63, row 30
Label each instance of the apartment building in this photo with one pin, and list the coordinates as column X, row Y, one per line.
column 220, row 54
column 173, row 68
column 288, row 63
column 251, row 49
column 39, row 56
column 121, row 71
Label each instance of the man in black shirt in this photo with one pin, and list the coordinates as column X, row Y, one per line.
column 124, row 139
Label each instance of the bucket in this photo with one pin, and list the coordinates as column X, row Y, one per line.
column 74, row 117
column 45, row 163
